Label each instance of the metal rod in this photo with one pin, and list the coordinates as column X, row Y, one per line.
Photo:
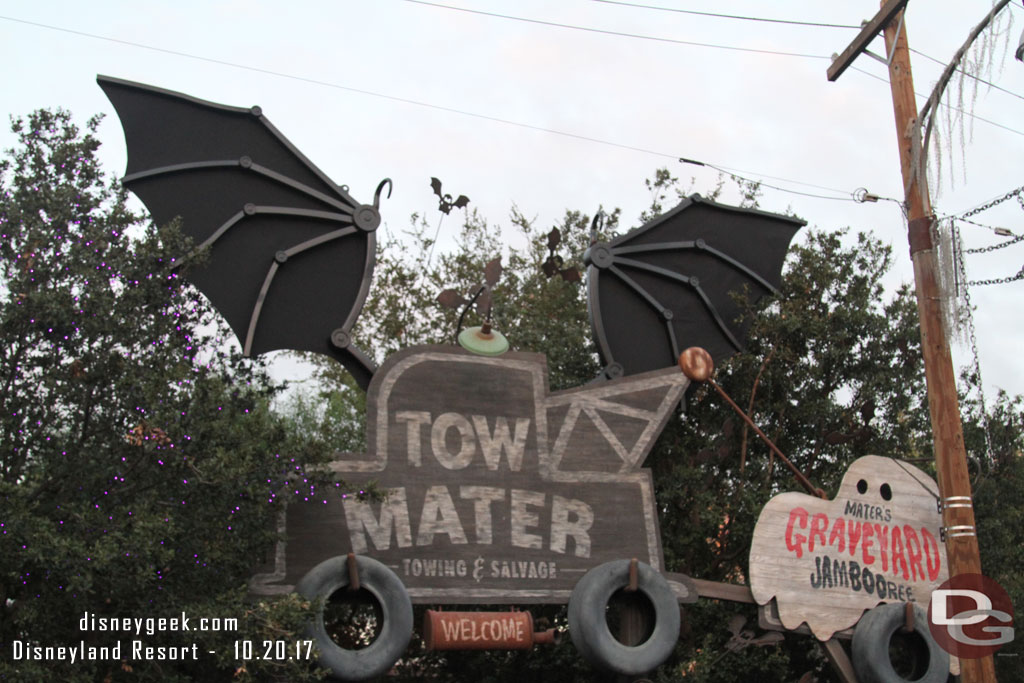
column 633, row 584
column 908, row 617
column 353, row 572
column 804, row 481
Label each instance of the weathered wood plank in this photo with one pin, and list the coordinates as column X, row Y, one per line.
column 723, row 591
column 826, row 561
column 499, row 492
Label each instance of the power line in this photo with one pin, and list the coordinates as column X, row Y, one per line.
column 941, row 104
column 681, row 42
column 969, row 75
column 337, row 86
column 729, row 16
column 796, row 23
column 619, row 34
column 735, row 173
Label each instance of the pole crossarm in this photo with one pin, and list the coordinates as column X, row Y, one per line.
column 864, row 38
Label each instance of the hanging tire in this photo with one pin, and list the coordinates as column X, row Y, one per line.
column 871, row 647
column 396, row 617
column 588, row 625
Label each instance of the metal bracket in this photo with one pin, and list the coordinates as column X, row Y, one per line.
column 908, row 617
column 888, row 60
column 632, row 586
column 919, row 234
column 353, row 573
column 954, row 502
column 956, row 532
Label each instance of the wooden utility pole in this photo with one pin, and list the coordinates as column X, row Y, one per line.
column 947, row 429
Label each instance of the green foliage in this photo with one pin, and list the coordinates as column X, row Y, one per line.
column 139, row 460
column 998, row 487
column 535, row 312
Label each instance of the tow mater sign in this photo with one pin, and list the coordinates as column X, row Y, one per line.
column 498, row 491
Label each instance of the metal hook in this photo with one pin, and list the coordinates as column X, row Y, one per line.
column 353, row 572
column 633, row 584
column 380, row 188
column 597, row 224
column 465, row 310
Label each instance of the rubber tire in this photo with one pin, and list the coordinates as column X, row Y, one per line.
column 871, row 646
column 588, row 625
column 357, row 665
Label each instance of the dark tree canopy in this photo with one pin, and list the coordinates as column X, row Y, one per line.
column 138, row 458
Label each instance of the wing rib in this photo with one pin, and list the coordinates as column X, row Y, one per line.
column 692, row 282
column 699, row 245
column 270, row 211
column 280, row 258
column 245, row 164
column 638, row 289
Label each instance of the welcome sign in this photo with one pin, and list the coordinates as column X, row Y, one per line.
column 826, row 561
column 497, row 490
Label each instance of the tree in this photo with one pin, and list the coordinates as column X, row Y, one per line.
column 139, row 460
column 832, row 371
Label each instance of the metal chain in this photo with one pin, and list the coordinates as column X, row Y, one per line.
column 994, row 247
column 1019, row 194
column 961, row 272
column 1000, row 280
column 994, row 202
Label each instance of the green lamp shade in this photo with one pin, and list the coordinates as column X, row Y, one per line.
column 492, row 343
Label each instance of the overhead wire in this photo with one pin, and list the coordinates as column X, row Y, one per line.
column 585, row 138
column 794, row 22
column 338, row 86
column 729, row 16
column 735, row 173
column 942, row 104
column 620, row 34
column 970, row 75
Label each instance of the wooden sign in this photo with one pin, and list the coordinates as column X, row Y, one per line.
column 481, row 631
column 498, row 491
column 826, row 561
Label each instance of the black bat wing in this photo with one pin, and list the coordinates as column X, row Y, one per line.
column 291, row 253
column 671, row 283
column 436, row 185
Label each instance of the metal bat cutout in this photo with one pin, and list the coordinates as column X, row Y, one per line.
column 445, row 203
column 673, row 283
column 291, row 253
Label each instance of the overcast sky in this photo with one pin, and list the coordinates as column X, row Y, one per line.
column 565, row 110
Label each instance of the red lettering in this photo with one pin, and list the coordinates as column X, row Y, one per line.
column 819, row 524
column 867, row 531
column 899, row 561
column 913, row 544
column 882, row 534
column 795, row 542
column 838, row 532
column 931, row 552
column 852, row 536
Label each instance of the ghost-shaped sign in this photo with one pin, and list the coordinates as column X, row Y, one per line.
column 827, row 561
